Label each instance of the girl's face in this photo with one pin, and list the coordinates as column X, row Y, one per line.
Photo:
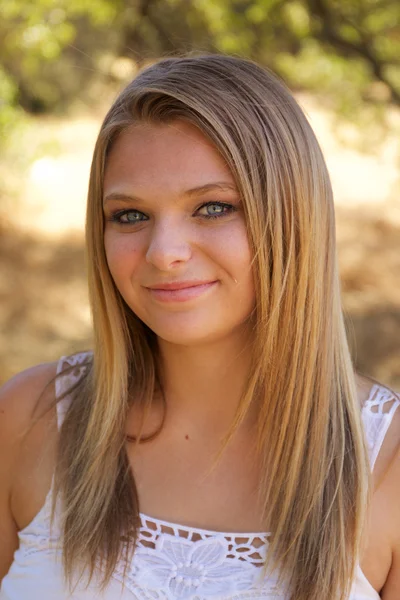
column 174, row 218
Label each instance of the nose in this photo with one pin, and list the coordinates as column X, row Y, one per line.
column 169, row 246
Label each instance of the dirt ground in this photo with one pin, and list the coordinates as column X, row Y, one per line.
column 43, row 298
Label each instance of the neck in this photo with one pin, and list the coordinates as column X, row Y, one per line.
column 203, row 384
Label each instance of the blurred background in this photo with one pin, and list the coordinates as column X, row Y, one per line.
column 62, row 62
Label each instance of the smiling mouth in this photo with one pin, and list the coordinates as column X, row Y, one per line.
column 181, row 294
column 178, row 285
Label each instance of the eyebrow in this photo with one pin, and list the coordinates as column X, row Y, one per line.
column 221, row 186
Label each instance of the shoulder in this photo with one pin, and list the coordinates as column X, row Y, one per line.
column 22, row 395
column 32, row 391
column 26, row 399
column 376, row 396
column 19, row 399
column 388, row 498
column 383, row 406
column 386, row 402
column 22, row 398
column 380, row 404
column 29, row 432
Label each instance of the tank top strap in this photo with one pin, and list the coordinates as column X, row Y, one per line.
column 377, row 415
column 69, row 371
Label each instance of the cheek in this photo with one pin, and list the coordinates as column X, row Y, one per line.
column 234, row 250
column 122, row 254
column 233, row 253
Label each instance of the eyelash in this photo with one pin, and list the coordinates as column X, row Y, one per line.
column 115, row 217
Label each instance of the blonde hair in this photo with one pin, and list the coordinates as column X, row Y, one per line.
column 315, row 475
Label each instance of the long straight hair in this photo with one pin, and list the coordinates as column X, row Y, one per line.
column 314, row 479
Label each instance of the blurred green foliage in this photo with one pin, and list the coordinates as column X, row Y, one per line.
column 52, row 51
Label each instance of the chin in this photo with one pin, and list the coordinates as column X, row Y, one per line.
column 188, row 332
column 187, row 337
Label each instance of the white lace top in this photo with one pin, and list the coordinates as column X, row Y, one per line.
column 171, row 561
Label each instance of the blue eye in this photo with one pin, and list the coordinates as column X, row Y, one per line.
column 214, row 210
column 127, row 217
column 223, row 209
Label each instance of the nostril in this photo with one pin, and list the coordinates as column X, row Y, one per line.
column 164, row 256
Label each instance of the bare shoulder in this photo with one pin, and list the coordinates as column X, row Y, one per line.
column 371, row 390
column 385, row 507
column 381, row 556
column 382, row 399
column 388, row 497
column 388, row 460
column 20, row 398
column 29, row 393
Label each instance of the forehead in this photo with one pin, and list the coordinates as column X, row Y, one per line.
column 174, row 155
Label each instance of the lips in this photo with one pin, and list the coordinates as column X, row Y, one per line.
column 181, row 291
column 178, row 285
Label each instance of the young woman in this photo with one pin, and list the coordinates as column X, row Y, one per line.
column 217, row 443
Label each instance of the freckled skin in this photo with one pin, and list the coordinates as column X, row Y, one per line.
column 157, row 164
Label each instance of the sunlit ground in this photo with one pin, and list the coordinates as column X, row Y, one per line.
column 44, row 311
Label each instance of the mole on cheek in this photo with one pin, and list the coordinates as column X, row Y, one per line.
column 186, row 437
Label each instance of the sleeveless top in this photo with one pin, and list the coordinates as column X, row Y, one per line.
column 171, row 561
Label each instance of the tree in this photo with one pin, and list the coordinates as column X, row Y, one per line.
column 347, row 52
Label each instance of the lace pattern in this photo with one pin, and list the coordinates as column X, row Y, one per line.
column 377, row 414
column 209, row 567
column 183, row 562
column 173, row 561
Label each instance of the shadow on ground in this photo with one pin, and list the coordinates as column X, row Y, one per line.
column 44, row 310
